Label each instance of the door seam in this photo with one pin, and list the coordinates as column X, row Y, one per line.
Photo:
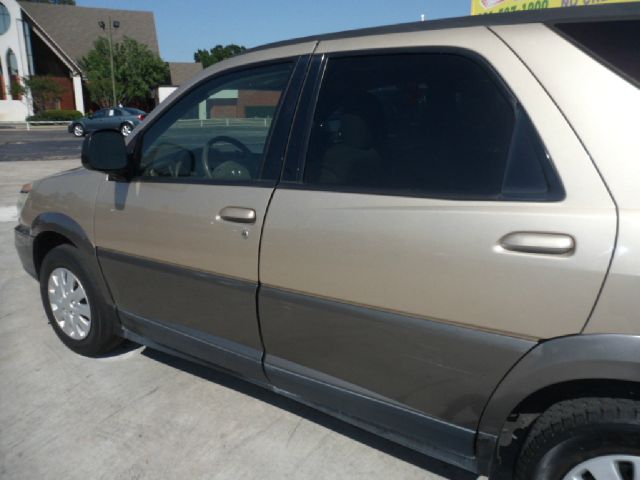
column 604, row 182
column 266, row 214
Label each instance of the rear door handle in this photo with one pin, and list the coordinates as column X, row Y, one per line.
column 238, row 214
column 538, row 242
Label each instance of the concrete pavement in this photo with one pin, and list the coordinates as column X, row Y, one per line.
column 140, row 414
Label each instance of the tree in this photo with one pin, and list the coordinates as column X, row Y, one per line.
column 137, row 72
column 43, row 89
column 56, row 2
column 217, row 54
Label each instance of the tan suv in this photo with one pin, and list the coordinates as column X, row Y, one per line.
column 429, row 230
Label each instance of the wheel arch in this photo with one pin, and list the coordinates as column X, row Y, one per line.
column 51, row 229
column 559, row 369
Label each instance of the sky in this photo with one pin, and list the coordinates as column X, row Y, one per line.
column 184, row 26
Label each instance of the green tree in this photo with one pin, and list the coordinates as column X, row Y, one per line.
column 217, row 54
column 43, row 89
column 137, row 71
column 56, row 2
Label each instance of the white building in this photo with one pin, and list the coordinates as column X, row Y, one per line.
column 48, row 39
column 15, row 55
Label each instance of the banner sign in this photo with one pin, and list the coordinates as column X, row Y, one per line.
column 479, row 7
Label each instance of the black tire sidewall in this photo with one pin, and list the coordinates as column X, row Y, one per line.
column 100, row 332
column 584, row 443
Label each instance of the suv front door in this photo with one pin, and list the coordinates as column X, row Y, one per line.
column 178, row 244
column 422, row 240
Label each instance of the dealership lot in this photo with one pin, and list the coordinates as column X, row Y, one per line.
column 140, row 414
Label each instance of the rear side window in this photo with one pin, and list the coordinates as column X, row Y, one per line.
column 424, row 124
column 616, row 44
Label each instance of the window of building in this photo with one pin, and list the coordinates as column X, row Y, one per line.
column 425, row 124
column 2, row 95
column 5, row 19
column 14, row 78
column 219, row 131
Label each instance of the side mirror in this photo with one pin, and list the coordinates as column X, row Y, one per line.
column 105, row 151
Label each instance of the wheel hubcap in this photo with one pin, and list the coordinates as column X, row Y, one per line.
column 607, row 467
column 126, row 130
column 77, row 130
column 69, row 303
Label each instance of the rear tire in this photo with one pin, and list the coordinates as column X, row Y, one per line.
column 76, row 311
column 583, row 439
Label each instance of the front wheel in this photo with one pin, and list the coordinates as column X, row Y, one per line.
column 78, row 130
column 126, row 129
column 71, row 301
column 584, row 439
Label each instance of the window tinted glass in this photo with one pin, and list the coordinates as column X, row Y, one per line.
column 616, row 43
column 101, row 113
column 219, row 130
column 425, row 124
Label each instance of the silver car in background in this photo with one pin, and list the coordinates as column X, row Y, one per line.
column 123, row 119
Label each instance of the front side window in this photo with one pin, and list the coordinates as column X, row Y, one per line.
column 423, row 124
column 218, row 131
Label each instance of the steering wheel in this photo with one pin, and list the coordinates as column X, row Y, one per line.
column 221, row 138
column 152, row 168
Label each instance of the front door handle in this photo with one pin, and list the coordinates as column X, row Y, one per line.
column 538, row 242
column 238, row 214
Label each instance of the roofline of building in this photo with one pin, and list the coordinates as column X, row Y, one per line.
column 604, row 12
column 50, row 42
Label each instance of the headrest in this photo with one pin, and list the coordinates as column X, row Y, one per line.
column 355, row 132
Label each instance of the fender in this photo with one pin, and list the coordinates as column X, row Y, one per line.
column 565, row 359
column 66, row 226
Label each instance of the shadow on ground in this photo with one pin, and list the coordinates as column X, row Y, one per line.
column 342, row 428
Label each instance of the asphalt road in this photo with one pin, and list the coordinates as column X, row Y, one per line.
column 49, row 144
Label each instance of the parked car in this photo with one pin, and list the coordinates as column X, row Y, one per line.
column 428, row 230
column 123, row 119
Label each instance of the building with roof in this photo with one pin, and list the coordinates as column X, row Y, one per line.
column 179, row 73
column 48, row 39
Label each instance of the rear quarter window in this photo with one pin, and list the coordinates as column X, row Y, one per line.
column 615, row 43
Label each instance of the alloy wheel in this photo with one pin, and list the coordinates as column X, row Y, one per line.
column 69, row 303
column 607, row 467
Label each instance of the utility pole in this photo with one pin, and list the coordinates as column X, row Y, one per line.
column 112, row 24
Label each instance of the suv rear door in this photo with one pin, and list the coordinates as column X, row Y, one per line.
column 179, row 243
column 438, row 216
